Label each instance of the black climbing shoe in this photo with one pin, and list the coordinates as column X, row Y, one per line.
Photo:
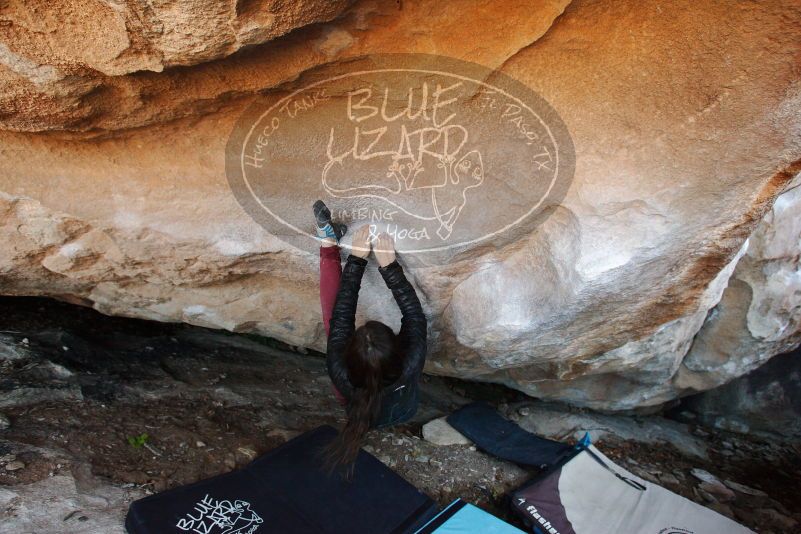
column 325, row 226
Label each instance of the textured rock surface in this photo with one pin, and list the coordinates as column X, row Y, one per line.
column 759, row 313
column 62, row 502
column 642, row 286
column 439, row 432
column 553, row 421
column 64, row 64
column 767, row 399
column 63, row 81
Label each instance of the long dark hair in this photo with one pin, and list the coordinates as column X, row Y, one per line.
column 373, row 361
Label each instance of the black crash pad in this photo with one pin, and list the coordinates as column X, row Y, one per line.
column 285, row 492
column 496, row 435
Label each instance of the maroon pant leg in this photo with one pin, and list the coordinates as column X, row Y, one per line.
column 330, row 273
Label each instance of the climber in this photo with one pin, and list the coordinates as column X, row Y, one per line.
column 374, row 371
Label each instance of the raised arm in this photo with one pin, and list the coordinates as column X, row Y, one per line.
column 343, row 317
column 343, row 323
column 413, row 333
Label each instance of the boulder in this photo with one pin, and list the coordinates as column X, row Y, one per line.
column 667, row 269
column 440, row 432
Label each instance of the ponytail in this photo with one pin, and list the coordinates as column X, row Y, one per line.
column 363, row 410
column 372, row 361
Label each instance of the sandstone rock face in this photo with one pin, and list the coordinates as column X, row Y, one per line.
column 670, row 267
column 61, row 63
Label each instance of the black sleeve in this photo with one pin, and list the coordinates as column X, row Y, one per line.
column 343, row 323
column 413, row 332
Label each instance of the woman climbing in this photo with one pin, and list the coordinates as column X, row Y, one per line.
column 375, row 372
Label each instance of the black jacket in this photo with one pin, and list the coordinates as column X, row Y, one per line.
column 412, row 334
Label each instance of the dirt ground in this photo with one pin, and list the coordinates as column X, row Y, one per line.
column 148, row 406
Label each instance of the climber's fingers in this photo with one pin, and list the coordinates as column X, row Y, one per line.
column 384, row 243
column 360, row 246
column 384, row 248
